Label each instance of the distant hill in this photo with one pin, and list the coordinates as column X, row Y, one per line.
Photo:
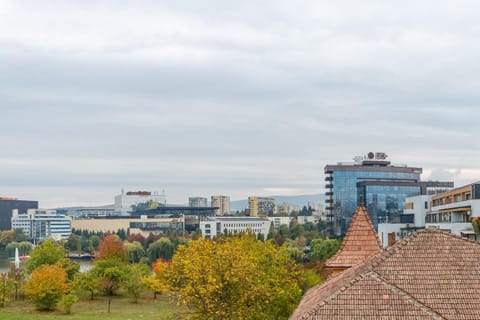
column 300, row 200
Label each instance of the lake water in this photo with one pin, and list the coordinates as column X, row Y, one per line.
column 85, row 264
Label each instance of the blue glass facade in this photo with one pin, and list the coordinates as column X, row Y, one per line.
column 381, row 189
column 385, row 203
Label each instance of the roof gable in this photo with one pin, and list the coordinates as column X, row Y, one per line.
column 360, row 243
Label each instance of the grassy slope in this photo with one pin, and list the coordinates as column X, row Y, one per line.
column 121, row 308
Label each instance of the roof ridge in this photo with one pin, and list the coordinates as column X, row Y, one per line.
column 360, row 211
column 405, row 295
column 447, row 233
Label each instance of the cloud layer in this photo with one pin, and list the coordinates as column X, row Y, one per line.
column 238, row 98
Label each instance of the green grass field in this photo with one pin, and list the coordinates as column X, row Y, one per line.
column 122, row 307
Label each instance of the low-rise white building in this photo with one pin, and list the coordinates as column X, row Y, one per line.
column 125, row 200
column 453, row 210
column 216, row 226
column 39, row 224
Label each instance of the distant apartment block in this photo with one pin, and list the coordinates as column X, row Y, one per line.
column 197, row 202
column 8, row 204
column 286, row 208
column 217, row 226
column 125, row 201
column 262, row 206
column 221, row 205
column 39, row 224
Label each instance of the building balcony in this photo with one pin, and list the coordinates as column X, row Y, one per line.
column 328, row 200
column 329, row 193
column 329, row 186
column 328, row 178
column 328, row 208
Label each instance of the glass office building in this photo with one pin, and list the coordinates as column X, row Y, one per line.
column 374, row 182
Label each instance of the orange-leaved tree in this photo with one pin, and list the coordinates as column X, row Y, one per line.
column 46, row 286
column 111, row 247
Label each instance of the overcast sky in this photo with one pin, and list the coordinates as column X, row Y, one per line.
column 231, row 97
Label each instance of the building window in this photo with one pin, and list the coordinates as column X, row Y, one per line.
column 426, row 204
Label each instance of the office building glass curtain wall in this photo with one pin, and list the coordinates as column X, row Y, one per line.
column 380, row 201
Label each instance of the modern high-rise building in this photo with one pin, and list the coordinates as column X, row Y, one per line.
column 8, row 204
column 39, row 225
column 261, row 206
column 373, row 181
column 197, row 202
column 222, row 205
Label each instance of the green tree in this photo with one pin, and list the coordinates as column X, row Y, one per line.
column 87, row 281
column 234, row 278
column 48, row 252
column 46, row 286
column 162, row 248
column 112, row 273
column 19, row 235
column 134, row 280
column 323, row 249
column 135, row 251
column 24, row 248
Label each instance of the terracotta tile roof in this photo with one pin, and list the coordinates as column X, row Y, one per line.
column 429, row 275
column 360, row 243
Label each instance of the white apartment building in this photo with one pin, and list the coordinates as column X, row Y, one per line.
column 223, row 205
column 217, row 226
column 278, row 221
column 39, row 224
column 125, row 200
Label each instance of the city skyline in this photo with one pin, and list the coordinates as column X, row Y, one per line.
column 238, row 100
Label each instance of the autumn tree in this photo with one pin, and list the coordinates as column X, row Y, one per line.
column 234, row 278
column 6, row 289
column 46, row 286
column 156, row 282
column 111, row 247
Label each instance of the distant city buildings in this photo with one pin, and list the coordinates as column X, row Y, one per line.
column 197, row 202
column 221, row 205
column 261, row 206
column 125, row 201
column 216, row 226
column 39, row 224
column 8, row 204
column 373, row 181
column 141, row 225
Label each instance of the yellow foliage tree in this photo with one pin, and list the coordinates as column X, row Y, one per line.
column 234, row 278
column 47, row 285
